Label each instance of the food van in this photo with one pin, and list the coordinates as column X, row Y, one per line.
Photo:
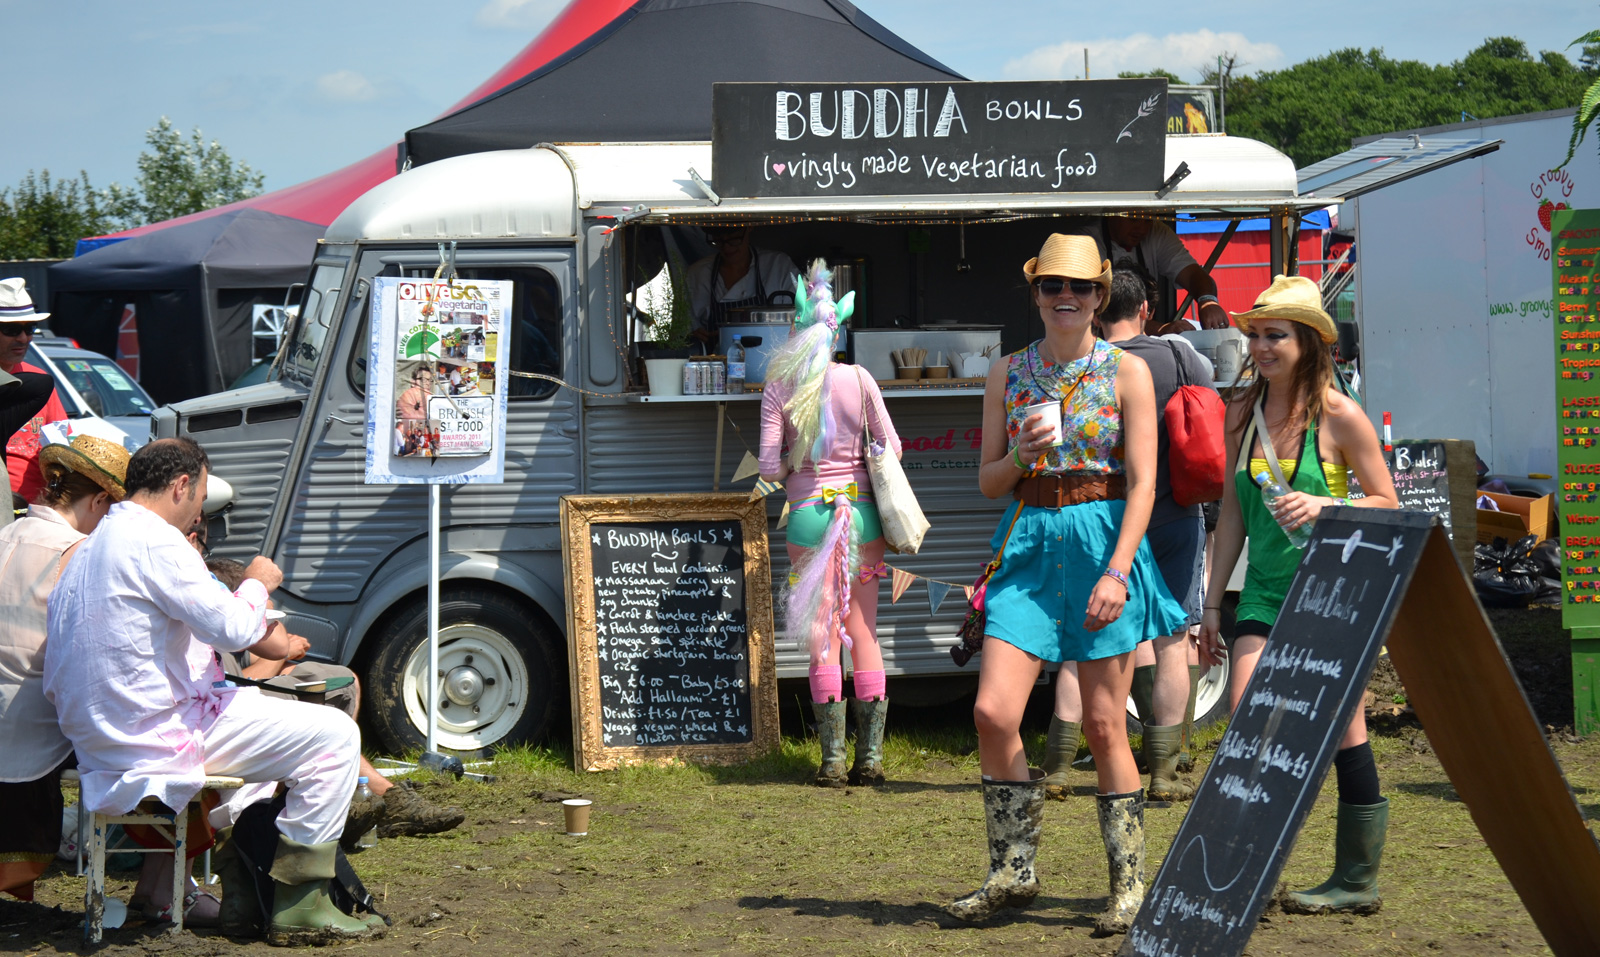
column 573, row 226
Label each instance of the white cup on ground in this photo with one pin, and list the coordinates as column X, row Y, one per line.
column 1052, row 417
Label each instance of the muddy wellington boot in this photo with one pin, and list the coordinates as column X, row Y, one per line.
column 365, row 814
column 1122, row 829
column 1013, row 812
column 1161, row 755
column 240, row 915
column 408, row 814
column 1185, row 759
column 1060, row 747
column 302, row 912
column 870, row 717
column 830, row 732
column 1357, row 852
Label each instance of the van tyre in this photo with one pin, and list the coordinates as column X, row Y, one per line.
column 502, row 666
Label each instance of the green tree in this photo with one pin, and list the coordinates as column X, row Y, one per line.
column 179, row 176
column 42, row 218
column 1158, row 71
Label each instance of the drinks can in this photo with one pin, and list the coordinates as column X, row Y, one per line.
column 691, row 378
column 719, row 378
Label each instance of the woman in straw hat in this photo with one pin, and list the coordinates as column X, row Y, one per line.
column 1076, row 580
column 1293, row 427
column 81, row 483
column 815, row 416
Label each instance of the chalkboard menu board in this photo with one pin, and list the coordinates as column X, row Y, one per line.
column 1269, row 767
column 855, row 139
column 1439, row 476
column 669, row 606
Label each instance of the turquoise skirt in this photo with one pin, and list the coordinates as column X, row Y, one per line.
column 1038, row 598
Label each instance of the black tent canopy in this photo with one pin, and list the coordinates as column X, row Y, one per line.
column 194, row 287
column 646, row 76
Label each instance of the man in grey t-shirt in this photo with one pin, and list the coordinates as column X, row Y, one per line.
column 1163, row 681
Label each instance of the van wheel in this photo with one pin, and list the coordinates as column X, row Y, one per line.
column 500, row 675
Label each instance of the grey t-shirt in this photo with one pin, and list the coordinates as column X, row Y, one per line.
column 1158, row 355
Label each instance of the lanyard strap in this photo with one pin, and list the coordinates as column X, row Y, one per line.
column 1258, row 424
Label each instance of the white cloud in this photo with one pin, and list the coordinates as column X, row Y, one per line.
column 1185, row 54
column 518, row 14
column 346, row 86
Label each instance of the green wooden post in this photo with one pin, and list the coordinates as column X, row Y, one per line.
column 1586, row 680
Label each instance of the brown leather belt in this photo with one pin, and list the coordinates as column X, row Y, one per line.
column 1059, row 491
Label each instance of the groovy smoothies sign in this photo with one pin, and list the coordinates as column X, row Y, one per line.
column 1575, row 242
column 842, row 139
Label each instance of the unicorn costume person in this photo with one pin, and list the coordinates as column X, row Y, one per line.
column 816, row 419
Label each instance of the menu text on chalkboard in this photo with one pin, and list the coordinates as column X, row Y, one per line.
column 670, row 609
column 1575, row 236
column 853, row 139
column 1270, row 765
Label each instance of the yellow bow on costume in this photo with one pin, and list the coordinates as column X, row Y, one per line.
column 850, row 491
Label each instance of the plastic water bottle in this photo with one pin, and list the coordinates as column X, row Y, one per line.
column 736, row 367
column 365, row 795
column 1270, row 493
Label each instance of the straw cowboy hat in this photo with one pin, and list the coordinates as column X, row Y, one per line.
column 15, row 304
column 1071, row 257
column 1296, row 299
column 102, row 461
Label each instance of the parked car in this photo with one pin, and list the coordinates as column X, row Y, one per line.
column 91, row 385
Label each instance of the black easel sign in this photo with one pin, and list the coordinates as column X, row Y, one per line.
column 1224, row 863
column 669, row 628
column 882, row 139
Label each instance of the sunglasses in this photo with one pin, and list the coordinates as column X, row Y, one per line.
column 1053, row 287
column 12, row 330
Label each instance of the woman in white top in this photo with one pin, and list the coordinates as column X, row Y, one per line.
column 82, row 481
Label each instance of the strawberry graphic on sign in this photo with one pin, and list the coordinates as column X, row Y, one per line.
column 1546, row 210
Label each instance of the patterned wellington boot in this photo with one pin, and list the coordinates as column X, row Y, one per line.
column 870, row 717
column 830, row 730
column 1357, row 852
column 1014, row 812
column 1161, row 754
column 1060, row 747
column 1122, row 828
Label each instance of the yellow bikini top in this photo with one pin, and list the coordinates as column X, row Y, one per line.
column 1337, row 476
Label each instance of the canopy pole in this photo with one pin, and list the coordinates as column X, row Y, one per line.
column 435, row 679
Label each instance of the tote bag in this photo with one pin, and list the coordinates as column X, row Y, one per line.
column 904, row 525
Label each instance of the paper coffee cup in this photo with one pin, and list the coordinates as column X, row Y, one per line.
column 1052, row 417
column 577, row 812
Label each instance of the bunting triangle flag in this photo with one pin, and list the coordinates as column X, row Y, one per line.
column 763, row 489
column 748, row 466
column 783, row 516
column 899, row 582
column 968, row 590
column 936, row 593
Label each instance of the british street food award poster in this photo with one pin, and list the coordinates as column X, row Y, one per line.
column 436, row 408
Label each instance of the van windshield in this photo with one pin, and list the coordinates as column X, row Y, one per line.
column 302, row 348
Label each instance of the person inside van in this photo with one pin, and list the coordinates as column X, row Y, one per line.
column 1157, row 248
column 736, row 276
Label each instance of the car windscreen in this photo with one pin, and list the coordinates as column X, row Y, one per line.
column 106, row 389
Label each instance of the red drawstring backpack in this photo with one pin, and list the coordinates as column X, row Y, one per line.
column 1195, row 420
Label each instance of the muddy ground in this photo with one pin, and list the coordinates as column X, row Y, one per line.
column 752, row 860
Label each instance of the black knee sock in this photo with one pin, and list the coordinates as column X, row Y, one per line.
column 1358, row 775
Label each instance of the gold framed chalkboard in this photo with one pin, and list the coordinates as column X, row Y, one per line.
column 669, row 629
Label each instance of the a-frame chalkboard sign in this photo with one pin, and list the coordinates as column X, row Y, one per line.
column 1370, row 576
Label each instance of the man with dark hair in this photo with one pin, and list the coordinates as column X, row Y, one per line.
column 1163, row 682
column 129, row 606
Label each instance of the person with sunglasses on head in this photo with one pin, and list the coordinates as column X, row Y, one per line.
column 19, row 323
column 736, row 276
column 1076, row 580
column 1293, row 427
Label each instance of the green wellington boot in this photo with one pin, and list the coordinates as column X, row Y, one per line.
column 830, row 731
column 1185, row 760
column 870, row 717
column 240, row 915
column 1060, row 747
column 1122, row 829
column 302, row 912
column 1357, row 851
column 1013, row 813
column 1161, row 756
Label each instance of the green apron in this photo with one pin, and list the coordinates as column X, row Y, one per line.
column 1273, row 559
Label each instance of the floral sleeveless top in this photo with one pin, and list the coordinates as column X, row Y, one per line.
column 1091, row 423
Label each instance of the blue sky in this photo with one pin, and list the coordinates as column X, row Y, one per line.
column 298, row 88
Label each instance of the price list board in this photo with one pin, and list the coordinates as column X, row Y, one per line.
column 1575, row 271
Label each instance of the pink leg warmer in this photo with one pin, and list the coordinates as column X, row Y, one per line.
column 869, row 685
column 827, row 684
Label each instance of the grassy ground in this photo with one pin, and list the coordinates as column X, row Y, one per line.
column 753, row 860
